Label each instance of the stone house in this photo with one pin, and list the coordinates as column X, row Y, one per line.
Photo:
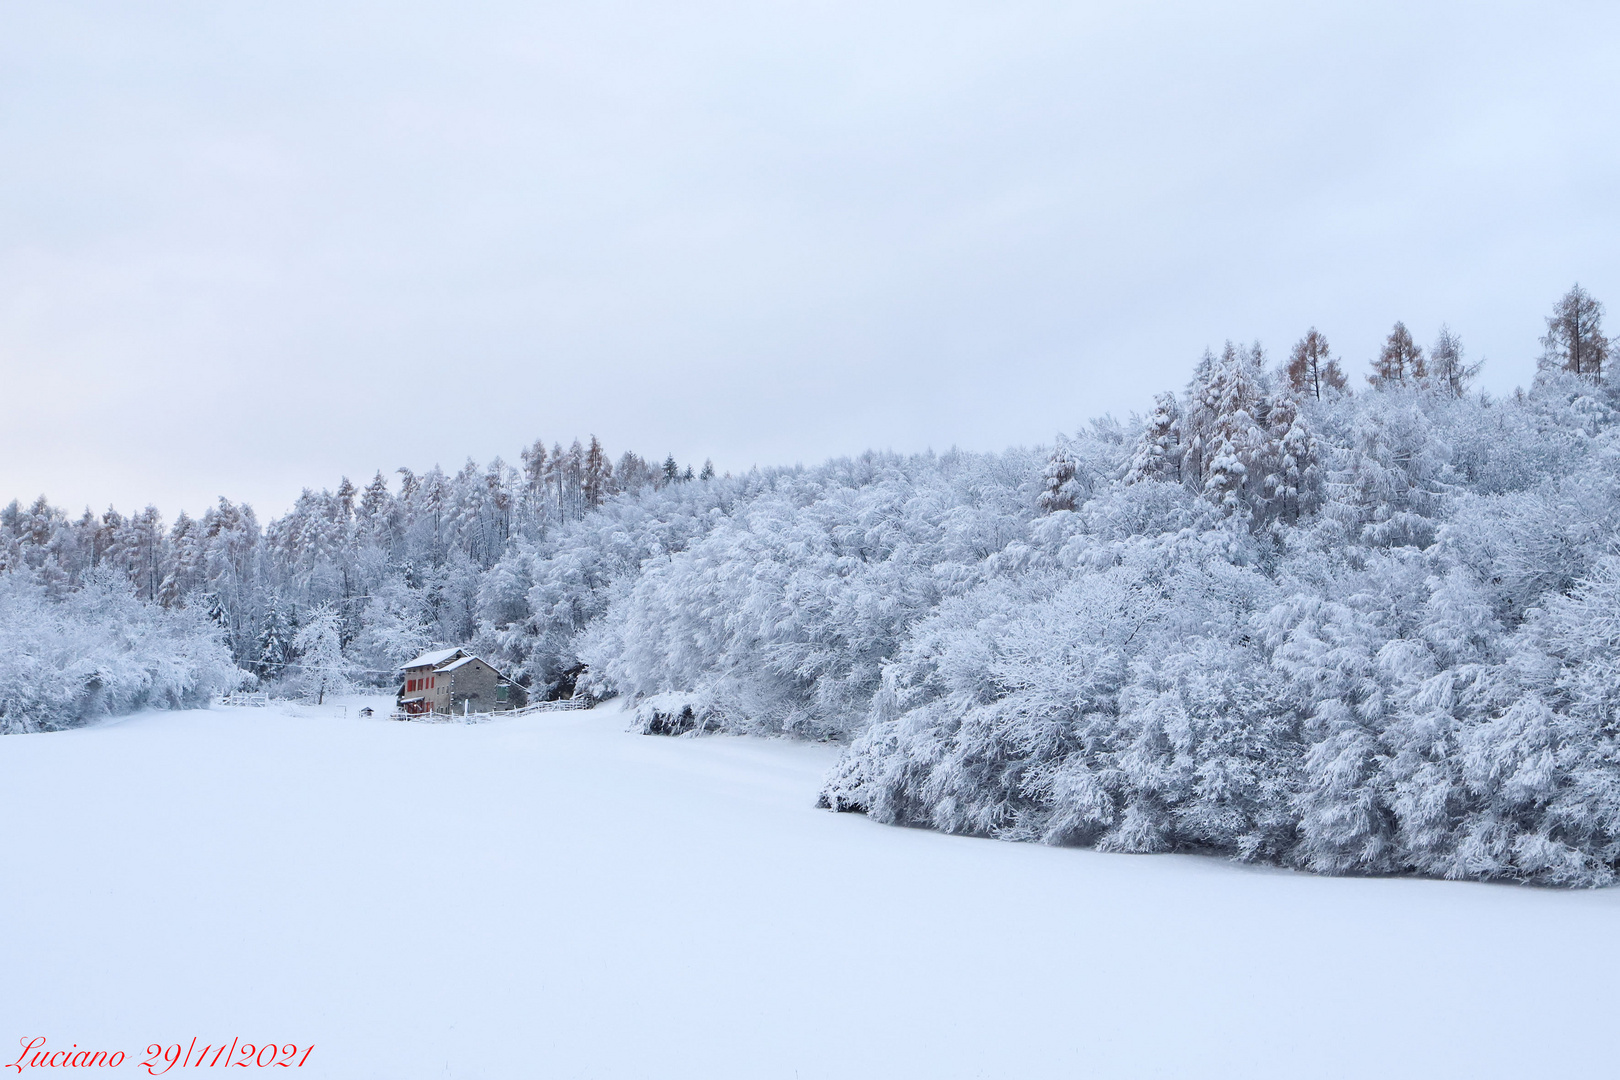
column 453, row 681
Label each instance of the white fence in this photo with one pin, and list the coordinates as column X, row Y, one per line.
column 245, row 701
column 569, row 705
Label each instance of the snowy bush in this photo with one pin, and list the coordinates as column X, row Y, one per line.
column 98, row 651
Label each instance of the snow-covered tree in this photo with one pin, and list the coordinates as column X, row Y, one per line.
column 322, row 667
column 1158, row 449
column 1400, row 361
column 1447, row 367
column 1574, row 341
column 1311, row 369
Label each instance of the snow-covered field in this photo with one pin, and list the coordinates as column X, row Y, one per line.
column 554, row 897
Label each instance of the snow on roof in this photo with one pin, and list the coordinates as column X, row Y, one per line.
column 469, row 658
column 433, row 659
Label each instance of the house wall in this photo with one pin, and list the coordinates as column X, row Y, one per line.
column 437, row 696
column 475, row 683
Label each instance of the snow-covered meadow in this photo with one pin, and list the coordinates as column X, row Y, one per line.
column 553, row 896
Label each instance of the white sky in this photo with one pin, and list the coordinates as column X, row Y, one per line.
column 250, row 248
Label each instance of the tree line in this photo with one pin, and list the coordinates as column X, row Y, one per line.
column 1361, row 632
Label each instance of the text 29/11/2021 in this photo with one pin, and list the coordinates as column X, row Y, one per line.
column 160, row 1058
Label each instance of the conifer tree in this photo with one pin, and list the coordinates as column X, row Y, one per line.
column 344, row 504
column 1159, row 451
column 633, row 473
column 534, row 479
column 407, row 485
column 1400, row 361
column 708, row 470
column 572, row 476
column 106, row 547
column 598, row 480
column 183, row 573
column 376, row 505
column 1295, row 475
column 144, row 552
column 1059, row 486
column 1311, row 367
column 1228, row 408
column 1574, row 341
column 275, row 642
column 1447, row 367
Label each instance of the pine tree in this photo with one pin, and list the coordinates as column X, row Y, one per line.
column 708, row 470
column 670, row 472
column 107, row 546
column 1061, row 469
column 408, row 486
column 376, row 512
column 1400, row 362
column 633, row 473
column 1295, row 477
column 231, row 559
column 1311, row 367
column 1447, row 367
column 1574, row 341
column 275, row 642
column 183, row 573
column 572, row 477
column 1229, row 406
column 144, row 550
column 1159, row 451
column 344, row 501
column 534, row 483
column 598, row 480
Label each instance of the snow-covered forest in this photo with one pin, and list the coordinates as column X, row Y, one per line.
column 1355, row 622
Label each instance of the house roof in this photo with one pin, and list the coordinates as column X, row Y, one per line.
column 433, row 659
column 469, row 658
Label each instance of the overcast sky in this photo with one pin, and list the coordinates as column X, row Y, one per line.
column 248, row 248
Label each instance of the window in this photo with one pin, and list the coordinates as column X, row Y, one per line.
column 500, row 693
column 410, row 685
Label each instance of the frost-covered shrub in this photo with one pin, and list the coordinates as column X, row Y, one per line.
column 674, row 714
column 98, row 651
